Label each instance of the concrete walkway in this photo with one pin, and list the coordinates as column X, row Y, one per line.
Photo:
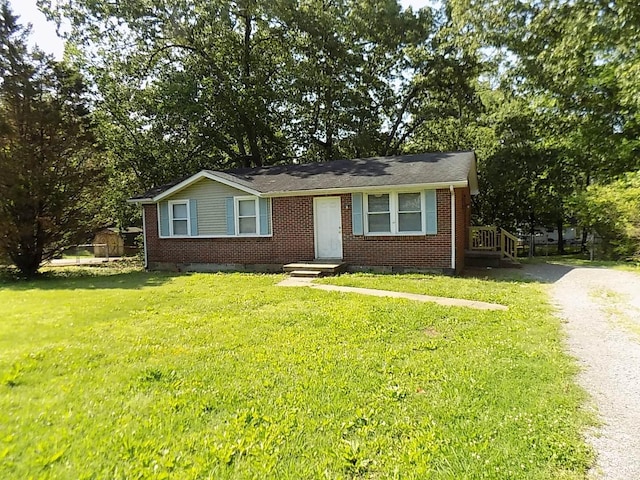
column 448, row 302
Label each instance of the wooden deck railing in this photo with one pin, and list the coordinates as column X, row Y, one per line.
column 492, row 239
column 509, row 244
column 483, row 238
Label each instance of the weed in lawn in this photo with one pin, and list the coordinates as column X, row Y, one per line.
column 618, row 310
column 136, row 375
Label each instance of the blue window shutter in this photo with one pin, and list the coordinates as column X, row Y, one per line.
column 231, row 220
column 164, row 219
column 356, row 214
column 264, row 216
column 193, row 217
column 432, row 212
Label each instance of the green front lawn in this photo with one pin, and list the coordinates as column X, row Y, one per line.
column 136, row 375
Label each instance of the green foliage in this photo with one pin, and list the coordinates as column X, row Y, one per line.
column 545, row 92
column 612, row 211
column 567, row 68
column 135, row 375
column 218, row 84
column 50, row 171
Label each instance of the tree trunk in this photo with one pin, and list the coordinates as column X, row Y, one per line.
column 560, row 237
column 27, row 257
column 248, row 121
column 583, row 241
column 328, row 145
column 532, row 236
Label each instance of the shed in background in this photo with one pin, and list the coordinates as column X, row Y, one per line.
column 119, row 242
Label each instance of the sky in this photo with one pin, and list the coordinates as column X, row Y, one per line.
column 44, row 33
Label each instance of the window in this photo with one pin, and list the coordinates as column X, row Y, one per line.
column 409, row 212
column 379, row 213
column 179, row 218
column 247, row 215
column 405, row 213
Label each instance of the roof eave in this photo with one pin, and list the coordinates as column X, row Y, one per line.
column 371, row 188
column 140, row 201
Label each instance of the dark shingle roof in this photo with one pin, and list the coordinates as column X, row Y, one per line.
column 152, row 192
column 425, row 168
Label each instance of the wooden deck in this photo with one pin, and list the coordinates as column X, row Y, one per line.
column 490, row 246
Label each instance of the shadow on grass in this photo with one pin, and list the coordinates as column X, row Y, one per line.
column 529, row 273
column 538, row 272
column 84, row 278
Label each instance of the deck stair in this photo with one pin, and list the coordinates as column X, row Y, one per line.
column 491, row 247
column 314, row 269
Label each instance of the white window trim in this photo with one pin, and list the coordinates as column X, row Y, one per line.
column 171, row 203
column 389, row 212
column 423, row 215
column 236, row 214
column 394, row 215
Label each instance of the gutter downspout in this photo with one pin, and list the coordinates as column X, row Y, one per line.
column 144, row 239
column 453, row 228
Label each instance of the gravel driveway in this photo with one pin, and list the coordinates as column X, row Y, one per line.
column 601, row 308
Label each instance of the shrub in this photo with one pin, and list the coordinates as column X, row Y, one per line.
column 612, row 211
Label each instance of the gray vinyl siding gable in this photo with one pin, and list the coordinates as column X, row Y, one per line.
column 211, row 203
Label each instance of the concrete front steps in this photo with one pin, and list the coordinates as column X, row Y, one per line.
column 314, row 269
column 479, row 258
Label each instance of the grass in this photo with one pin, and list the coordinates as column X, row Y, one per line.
column 508, row 291
column 107, row 374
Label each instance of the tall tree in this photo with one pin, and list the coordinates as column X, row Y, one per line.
column 569, row 64
column 354, row 79
column 219, row 83
column 185, row 85
column 46, row 152
column 612, row 211
column 574, row 60
column 446, row 106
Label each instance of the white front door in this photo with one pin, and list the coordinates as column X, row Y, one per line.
column 328, row 227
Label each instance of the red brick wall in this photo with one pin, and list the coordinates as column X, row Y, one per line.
column 463, row 220
column 422, row 251
column 293, row 240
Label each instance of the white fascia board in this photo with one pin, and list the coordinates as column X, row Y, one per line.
column 377, row 188
column 198, row 176
column 298, row 193
column 472, row 177
column 473, row 180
